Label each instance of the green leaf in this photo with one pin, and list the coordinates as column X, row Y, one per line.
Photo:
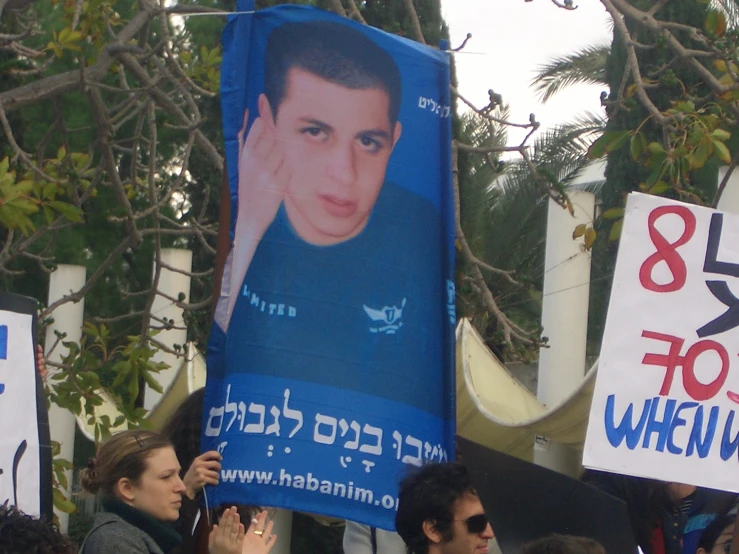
column 654, row 176
column 49, row 214
column 722, row 153
column 685, row 107
column 62, row 478
column 64, row 464
column 613, row 213
column 153, row 383
column 91, row 329
column 62, row 504
column 598, row 148
column 122, row 368
column 72, row 213
column 133, row 387
column 619, row 139
column 608, row 142
column 656, row 148
column 579, row 231
column 715, row 23
column 701, row 153
column 720, row 134
column 616, row 228
column 660, row 187
column 590, row 236
column 638, row 145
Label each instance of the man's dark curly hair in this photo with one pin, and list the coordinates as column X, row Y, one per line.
column 429, row 494
column 23, row 534
column 563, row 544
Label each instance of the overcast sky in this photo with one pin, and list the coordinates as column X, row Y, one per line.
column 510, row 39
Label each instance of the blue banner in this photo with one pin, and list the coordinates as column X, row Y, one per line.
column 330, row 362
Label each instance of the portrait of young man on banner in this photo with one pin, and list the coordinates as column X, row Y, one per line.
column 331, row 357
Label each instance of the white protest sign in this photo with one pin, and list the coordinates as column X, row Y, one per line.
column 667, row 392
column 19, row 440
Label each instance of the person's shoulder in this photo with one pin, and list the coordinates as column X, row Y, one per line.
column 358, row 540
column 406, row 216
column 110, row 533
column 396, row 198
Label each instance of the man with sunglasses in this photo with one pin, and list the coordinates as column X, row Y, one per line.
column 439, row 512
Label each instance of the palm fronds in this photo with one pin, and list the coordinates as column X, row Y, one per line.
column 586, row 66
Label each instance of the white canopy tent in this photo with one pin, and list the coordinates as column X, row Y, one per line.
column 495, row 410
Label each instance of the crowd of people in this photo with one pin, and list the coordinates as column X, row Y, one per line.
column 150, row 484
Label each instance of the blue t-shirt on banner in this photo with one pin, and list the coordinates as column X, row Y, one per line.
column 330, row 365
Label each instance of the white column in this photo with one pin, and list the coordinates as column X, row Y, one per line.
column 729, row 201
column 283, row 529
column 67, row 319
column 172, row 284
column 564, row 318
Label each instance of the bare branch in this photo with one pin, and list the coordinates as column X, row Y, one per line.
column 510, row 330
column 632, row 63
column 354, row 12
column 163, row 100
column 415, row 22
column 76, row 296
column 55, row 85
column 337, row 8
column 486, row 115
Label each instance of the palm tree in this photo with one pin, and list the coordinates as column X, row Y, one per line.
column 586, row 66
column 503, row 214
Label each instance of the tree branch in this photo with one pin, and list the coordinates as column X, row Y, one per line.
column 55, row 85
column 415, row 22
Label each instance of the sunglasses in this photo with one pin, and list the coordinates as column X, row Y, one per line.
column 726, row 546
column 476, row 524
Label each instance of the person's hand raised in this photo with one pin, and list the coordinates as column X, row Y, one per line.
column 227, row 537
column 41, row 368
column 259, row 538
column 263, row 173
column 204, row 470
column 263, row 177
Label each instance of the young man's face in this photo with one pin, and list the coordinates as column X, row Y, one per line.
column 338, row 142
column 463, row 541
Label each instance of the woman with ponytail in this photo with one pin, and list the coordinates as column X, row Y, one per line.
column 137, row 475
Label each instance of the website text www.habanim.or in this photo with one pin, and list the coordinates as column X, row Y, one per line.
column 310, row 483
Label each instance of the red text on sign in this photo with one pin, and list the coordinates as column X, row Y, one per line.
column 670, row 361
column 667, row 251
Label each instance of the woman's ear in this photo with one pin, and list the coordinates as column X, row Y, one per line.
column 125, row 490
column 432, row 534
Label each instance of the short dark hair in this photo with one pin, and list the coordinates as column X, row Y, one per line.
column 714, row 530
column 563, row 544
column 429, row 494
column 334, row 52
column 22, row 533
column 125, row 454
